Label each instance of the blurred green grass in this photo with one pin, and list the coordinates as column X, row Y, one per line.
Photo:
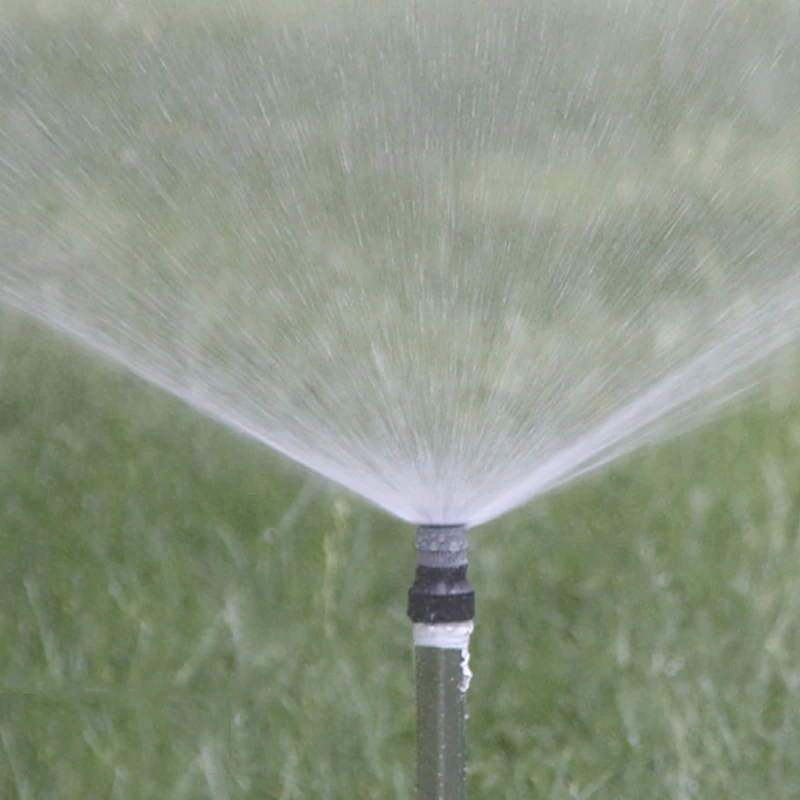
column 185, row 615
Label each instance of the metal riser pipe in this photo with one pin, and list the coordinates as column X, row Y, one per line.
column 441, row 605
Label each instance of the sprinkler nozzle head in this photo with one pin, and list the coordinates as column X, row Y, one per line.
column 441, row 592
column 442, row 545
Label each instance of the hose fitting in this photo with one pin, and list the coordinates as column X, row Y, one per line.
column 441, row 592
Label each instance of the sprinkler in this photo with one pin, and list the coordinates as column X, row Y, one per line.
column 441, row 604
column 446, row 269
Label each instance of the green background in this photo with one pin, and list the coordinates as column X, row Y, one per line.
column 182, row 614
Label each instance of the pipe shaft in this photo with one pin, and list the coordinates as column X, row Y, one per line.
column 441, row 715
column 441, row 605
